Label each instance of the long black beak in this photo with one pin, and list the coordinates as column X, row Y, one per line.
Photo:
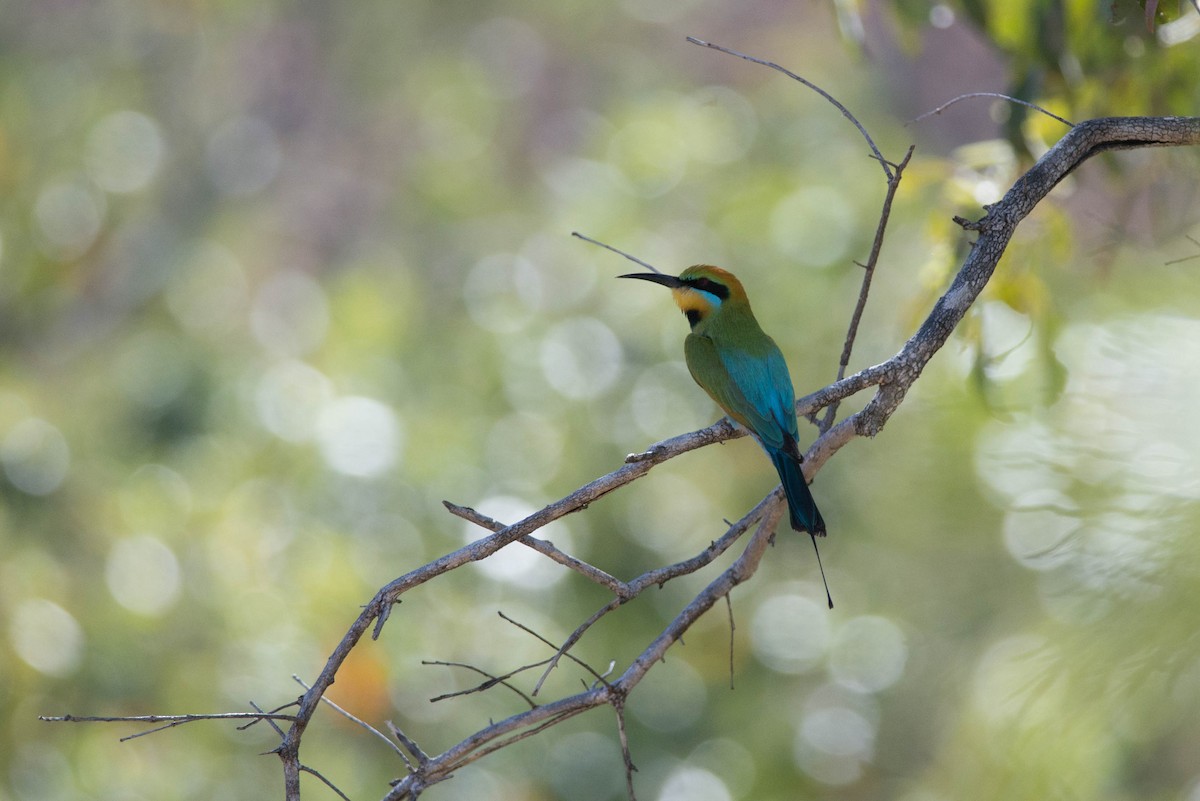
column 669, row 281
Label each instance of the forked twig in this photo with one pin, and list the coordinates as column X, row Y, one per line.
column 660, row 576
column 524, row 724
column 543, row 547
column 409, row 744
column 597, row 676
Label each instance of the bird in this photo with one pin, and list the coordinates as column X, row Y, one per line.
column 743, row 370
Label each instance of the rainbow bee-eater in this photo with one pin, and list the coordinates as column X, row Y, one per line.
column 742, row 369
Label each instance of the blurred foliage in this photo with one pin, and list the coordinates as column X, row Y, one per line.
column 1081, row 58
column 277, row 278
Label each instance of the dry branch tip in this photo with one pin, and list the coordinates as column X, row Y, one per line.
column 884, row 163
column 997, row 95
column 633, row 259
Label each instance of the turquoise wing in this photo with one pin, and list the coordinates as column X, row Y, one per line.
column 754, row 389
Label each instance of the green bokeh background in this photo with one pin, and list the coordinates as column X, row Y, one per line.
column 277, row 278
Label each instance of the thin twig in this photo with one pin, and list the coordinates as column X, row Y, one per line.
column 168, row 721
column 618, row 706
column 884, row 163
column 419, row 755
column 868, row 275
column 662, row 575
column 521, row 735
column 544, row 547
column 597, row 676
column 164, row 718
column 270, row 722
column 998, row 95
column 328, row 783
column 612, row 665
column 633, row 259
column 524, row 724
column 269, row 712
column 732, row 628
column 491, row 682
column 1195, row 242
column 344, row 713
column 574, row 638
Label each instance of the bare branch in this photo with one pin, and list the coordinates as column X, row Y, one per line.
column 574, row 638
column 626, row 756
column 662, row 575
column 633, row 259
column 1009, row 98
column 491, row 682
column 732, row 628
column 544, row 547
column 326, row 782
column 169, row 721
column 270, row 722
column 522, row 725
column 995, row 230
column 884, row 163
column 350, row 718
column 868, row 275
column 597, row 676
column 1195, row 242
column 415, row 750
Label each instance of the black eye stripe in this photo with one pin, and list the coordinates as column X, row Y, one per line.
column 710, row 286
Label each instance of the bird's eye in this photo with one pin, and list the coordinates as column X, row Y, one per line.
column 711, row 287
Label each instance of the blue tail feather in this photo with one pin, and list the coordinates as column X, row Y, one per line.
column 802, row 507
